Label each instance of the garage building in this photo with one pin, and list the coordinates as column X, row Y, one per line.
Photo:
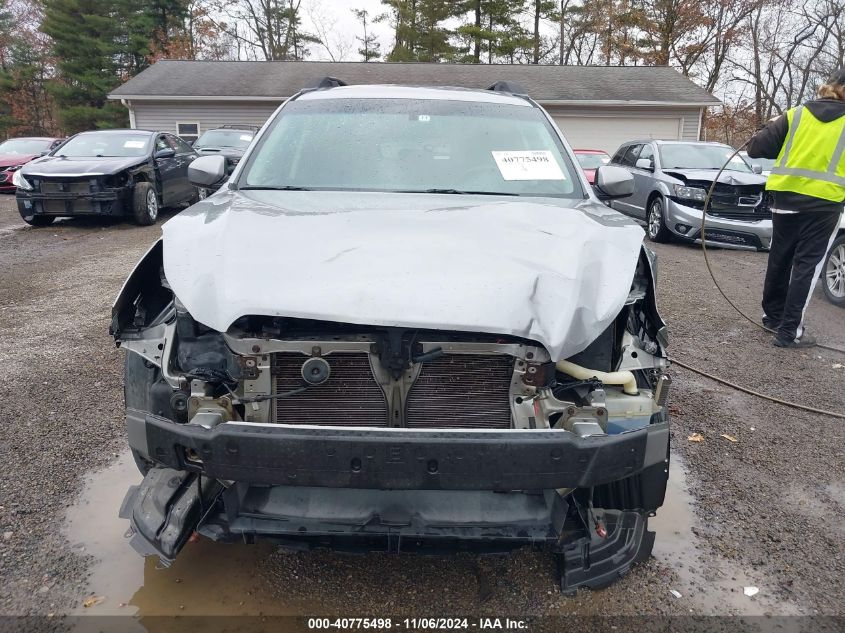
column 596, row 107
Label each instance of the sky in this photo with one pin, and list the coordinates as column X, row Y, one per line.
column 347, row 27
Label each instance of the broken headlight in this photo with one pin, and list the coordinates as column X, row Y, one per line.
column 20, row 182
column 690, row 193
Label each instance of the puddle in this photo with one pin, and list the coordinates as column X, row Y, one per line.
column 717, row 586
column 214, row 579
column 208, row 579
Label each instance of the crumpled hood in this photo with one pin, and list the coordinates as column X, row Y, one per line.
column 9, row 160
column 59, row 166
column 727, row 177
column 533, row 268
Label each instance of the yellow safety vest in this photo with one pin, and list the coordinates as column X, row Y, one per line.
column 812, row 160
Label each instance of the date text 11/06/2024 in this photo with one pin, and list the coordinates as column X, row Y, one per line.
column 413, row 624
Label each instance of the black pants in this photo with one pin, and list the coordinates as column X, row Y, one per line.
column 799, row 244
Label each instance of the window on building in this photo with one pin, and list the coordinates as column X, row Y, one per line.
column 188, row 131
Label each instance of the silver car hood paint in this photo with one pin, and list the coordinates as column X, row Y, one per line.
column 530, row 267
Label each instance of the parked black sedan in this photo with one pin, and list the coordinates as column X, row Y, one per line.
column 114, row 173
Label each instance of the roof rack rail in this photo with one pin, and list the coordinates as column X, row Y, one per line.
column 324, row 82
column 510, row 87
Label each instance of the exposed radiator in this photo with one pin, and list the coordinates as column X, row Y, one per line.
column 350, row 397
column 462, row 391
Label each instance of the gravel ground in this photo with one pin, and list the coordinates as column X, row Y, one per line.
column 767, row 507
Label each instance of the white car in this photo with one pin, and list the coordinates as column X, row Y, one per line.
column 834, row 268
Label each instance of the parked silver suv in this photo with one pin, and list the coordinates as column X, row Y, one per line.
column 671, row 181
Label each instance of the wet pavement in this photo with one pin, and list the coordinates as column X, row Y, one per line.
column 765, row 511
column 214, row 579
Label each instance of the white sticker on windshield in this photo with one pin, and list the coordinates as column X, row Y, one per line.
column 530, row 165
column 134, row 144
column 246, row 137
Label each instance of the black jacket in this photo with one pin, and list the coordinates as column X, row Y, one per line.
column 768, row 141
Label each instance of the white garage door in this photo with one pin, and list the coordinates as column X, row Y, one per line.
column 608, row 133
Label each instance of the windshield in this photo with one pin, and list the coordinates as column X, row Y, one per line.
column 24, row 146
column 225, row 138
column 592, row 161
column 766, row 164
column 91, row 144
column 412, row 145
column 699, row 156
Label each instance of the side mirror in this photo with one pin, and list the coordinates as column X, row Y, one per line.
column 165, row 153
column 613, row 182
column 645, row 163
column 757, row 169
column 44, row 152
column 207, row 171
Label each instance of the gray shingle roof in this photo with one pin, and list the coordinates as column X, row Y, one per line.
column 274, row 80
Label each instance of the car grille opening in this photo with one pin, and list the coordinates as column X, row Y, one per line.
column 62, row 186
column 350, row 397
column 739, row 202
column 462, row 391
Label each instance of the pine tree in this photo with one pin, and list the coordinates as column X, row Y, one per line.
column 88, row 38
column 540, row 10
column 491, row 30
column 419, row 30
column 370, row 46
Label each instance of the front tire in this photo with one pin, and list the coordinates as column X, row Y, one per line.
column 144, row 204
column 40, row 220
column 833, row 272
column 656, row 222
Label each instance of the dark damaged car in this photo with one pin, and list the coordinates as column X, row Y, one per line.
column 229, row 141
column 671, row 183
column 113, row 173
column 433, row 336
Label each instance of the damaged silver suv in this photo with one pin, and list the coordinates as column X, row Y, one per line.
column 405, row 322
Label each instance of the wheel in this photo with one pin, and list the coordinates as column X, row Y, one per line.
column 40, row 220
column 657, row 231
column 834, row 272
column 144, row 204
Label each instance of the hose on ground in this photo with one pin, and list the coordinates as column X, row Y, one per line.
column 751, row 392
column 786, row 403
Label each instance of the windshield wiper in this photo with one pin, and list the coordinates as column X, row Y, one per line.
column 461, row 192
column 273, row 188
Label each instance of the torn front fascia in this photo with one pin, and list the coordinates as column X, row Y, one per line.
column 164, row 509
column 145, row 295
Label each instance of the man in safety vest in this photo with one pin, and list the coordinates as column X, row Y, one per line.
column 807, row 185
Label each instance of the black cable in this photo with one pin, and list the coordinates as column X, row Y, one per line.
column 286, row 394
column 727, row 383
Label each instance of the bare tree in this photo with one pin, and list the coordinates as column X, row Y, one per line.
column 324, row 24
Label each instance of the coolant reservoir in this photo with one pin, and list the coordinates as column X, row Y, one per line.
column 627, row 413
